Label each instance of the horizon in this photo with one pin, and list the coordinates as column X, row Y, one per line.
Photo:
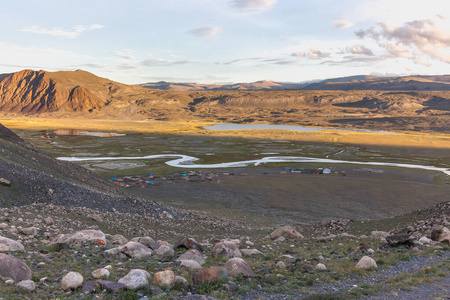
column 227, row 41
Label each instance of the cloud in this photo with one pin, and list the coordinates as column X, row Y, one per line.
column 125, row 54
column 360, row 49
column 205, row 32
column 312, row 54
column 242, row 60
column 253, row 5
column 166, row 63
column 353, row 61
column 342, row 23
column 280, row 61
column 414, row 40
column 77, row 30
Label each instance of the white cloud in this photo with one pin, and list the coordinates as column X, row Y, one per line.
column 253, row 5
column 312, row 54
column 166, row 63
column 342, row 23
column 415, row 40
column 205, row 32
column 76, row 30
column 125, row 54
column 360, row 49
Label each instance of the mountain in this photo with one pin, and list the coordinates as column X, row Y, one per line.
column 264, row 85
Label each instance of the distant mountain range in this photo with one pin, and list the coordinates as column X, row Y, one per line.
column 358, row 82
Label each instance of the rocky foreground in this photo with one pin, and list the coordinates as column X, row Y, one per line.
column 54, row 252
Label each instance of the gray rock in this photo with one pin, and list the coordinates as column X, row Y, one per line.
column 165, row 251
column 14, row 268
column 74, row 240
column 26, row 286
column 146, row 241
column 5, row 182
column 72, row 280
column 194, row 255
column 88, row 287
column 10, row 245
column 366, row 262
column 190, row 264
column 111, row 286
column 136, row 279
column 136, row 250
column 164, row 279
column 226, row 249
column 237, row 266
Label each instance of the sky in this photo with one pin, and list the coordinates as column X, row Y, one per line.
column 226, row 41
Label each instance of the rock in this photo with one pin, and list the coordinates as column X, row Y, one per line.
column 146, row 241
column 49, row 221
column 237, row 266
column 379, row 234
column 320, row 267
column 188, row 243
column 164, row 243
column 181, row 281
column 164, row 279
column 226, row 249
column 100, row 273
column 194, row 255
column 212, row 274
column 111, row 286
column 370, row 251
column 26, row 286
column 165, row 251
column 165, row 215
column 9, row 282
column 72, row 280
column 10, row 245
column 366, row 262
column 286, row 232
column 119, row 239
column 441, row 234
column 88, row 287
column 74, row 240
column 5, row 182
column 190, row 264
column 249, row 252
column 29, row 231
column 424, row 240
column 136, row 250
column 281, row 265
column 97, row 218
column 14, row 268
column 136, row 279
column 4, row 226
column 113, row 251
column 396, row 240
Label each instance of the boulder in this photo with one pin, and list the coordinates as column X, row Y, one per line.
column 111, row 286
column 251, row 252
column 14, row 268
column 320, row 267
column 100, row 273
column 165, row 251
column 136, row 250
column 190, row 264
column 181, row 281
column 10, row 245
column 226, row 249
column 194, row 255
column 74, row 240
column 396, row 240
column 212, row 274
column 72, row 280
column 440, row 234
column 281, row 265
column 113, row 251
column 424, row 240
column 88, row 287
column 119, row 239
column 5, row 182
column 146, row 241
column 366, row 262
column 29, row 231
column 188, row 243
column 26, row 286
column 286, row 232
column 379, row 234
column 164, row 279
column 237, row 266
column 136, row 279
column 49, row 221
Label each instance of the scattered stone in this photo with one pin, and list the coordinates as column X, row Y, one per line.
column 320, row 267
column 119, row 239
column 72, row 280
column 190, row 264
column 49, row 221
column 424, row 240
column 97, row 218
column 370, row 251
column 366, row 262
column 9, row 282
column 379, row 234
column 146, row 241
column 26, row 286
column 74, row 240
column 286, row 232
column 29, row 231
column 5, row 182
column 164, row 279
column 9, row 245
column 281, row 265
column 136, row 279
column 251, row 252
column 237, row 266
column 441, row 234
column 212, row 274
column 396, row 240
column 113, row 251
column 100, row 273
column 165, row 251
column 194, row 255
column 136, row 250
column 4, row 226
column 165, row 215
column 181, row 281
column 226, row 249
column 14, row 268
column 188, row 243
column 111, row 286
column 88, row 287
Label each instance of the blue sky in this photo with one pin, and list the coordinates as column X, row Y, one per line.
column 224, row 41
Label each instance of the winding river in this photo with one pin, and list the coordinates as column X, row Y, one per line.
column 185, row 161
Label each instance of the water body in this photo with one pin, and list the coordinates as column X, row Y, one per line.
column 186, row 161
column 281, row 127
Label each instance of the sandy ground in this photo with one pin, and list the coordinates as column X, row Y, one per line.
column 403, row 139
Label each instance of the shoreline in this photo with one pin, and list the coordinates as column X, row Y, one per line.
column 400, row 139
